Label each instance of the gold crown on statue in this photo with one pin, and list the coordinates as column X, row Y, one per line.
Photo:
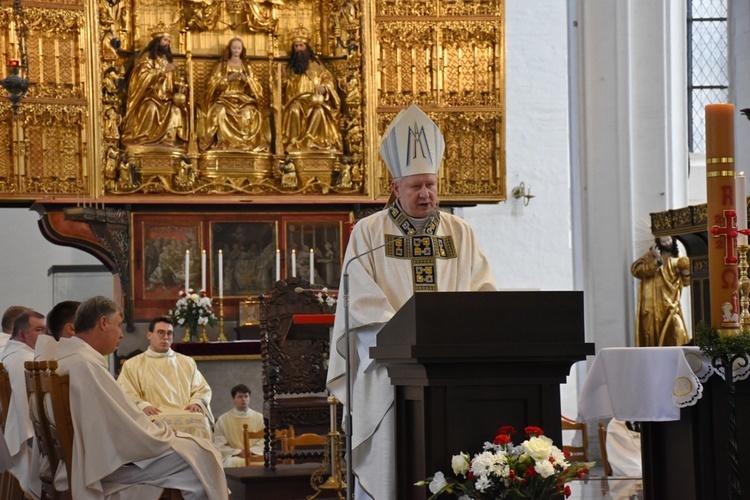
column 301, row 34
column 160, row 29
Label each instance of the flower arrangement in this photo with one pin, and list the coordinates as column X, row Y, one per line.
column 536, row 469
column 327, row 300
column 193, row 310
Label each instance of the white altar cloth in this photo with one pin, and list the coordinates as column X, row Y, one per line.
column 646, row 384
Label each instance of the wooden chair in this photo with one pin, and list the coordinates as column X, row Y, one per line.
column 42, row 429
column 577, row 453
column 314, row 443
column 10, row 488
column 603, row 449
column 295, row 363
column 56, row 409
column 282, row 436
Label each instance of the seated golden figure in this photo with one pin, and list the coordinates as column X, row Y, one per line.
column 311, row 103
column 229, row 117
column 156, row 112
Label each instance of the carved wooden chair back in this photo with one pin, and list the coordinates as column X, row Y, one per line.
column 56, row 405
column 295, row 362
column 42, row 428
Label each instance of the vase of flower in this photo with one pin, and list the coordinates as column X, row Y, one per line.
column 536, row 469
column 193, row 311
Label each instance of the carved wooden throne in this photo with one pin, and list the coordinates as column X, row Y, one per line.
column 295, row 363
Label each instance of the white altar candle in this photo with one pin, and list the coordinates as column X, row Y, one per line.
column 187, row 270
column 221, row 274
column 740, row 194
column 278, row 264
column 312, row 266
column 203, row 270
column 294, row 263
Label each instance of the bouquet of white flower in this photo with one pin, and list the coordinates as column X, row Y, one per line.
column 536, row 469
column 193, row 310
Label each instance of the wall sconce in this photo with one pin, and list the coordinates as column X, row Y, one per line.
column 521, row 192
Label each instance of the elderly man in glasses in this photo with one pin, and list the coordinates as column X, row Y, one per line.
column 167, row 385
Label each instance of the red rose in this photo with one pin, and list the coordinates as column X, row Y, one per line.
column 532, row 431
column 507, row 430
column 502, row 439
column 567, row 491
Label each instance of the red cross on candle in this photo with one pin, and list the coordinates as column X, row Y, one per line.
column 729, row 232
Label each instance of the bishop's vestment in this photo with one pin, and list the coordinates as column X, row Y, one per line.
column 444, row 256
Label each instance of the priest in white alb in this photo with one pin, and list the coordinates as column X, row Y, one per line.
column 19, row 431
column 228, row 431
column 408, row 247
column 116, row 446
column 167, row 385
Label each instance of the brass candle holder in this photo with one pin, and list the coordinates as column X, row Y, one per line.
column 744, row 286
column 222, row 337
column 331, row 474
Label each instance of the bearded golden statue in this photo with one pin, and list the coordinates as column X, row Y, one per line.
column 156, row 112
column 309, row 119
column 229, row 117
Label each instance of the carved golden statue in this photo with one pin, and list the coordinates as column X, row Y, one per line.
column 229, row 117
column 311, row 102
column 156, row 110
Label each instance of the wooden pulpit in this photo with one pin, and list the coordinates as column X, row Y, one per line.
column 465, row 363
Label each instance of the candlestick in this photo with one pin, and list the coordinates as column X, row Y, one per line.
column 312, row 266
column 222, row 337
column 740, row 194
column 278, row 264
column 221, row 274
column 203, row 270
column 187, row 270
column 721, row 215
column 294, row 263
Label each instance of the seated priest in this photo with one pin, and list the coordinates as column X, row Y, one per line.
column 117, row 448
column 406, row 248
column 228, row 431
column 60, row 322
column 167, row 385
column 19, row 431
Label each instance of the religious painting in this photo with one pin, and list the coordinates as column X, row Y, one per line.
column 248, row 266
column 169, row 248
column 249, row 312
column 319, row 242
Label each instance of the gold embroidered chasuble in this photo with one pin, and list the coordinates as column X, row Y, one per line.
column 168, row 381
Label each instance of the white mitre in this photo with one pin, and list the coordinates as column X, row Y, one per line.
column 412, row 144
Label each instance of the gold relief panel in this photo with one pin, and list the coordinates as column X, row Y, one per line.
column 473, row 155
column 7, row 168
column 54, row 149
column 401, row 8
column 406, row 65
column 470, row 7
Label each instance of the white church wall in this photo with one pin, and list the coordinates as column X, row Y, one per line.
column 530, row 247
column 26, row 259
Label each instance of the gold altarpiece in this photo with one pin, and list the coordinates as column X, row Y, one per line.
column 66, row 140
column 65, row 149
